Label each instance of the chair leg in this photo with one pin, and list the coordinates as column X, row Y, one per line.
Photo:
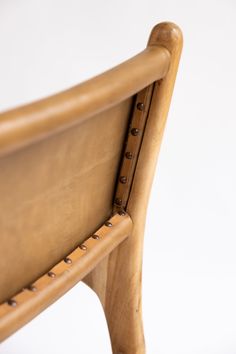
column 117, row 282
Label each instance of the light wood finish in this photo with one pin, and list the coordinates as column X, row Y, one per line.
column 132, row 147
column 33, row 122
column 50, row 197
column 117, row 280
column 79, row 139
column 47, row 289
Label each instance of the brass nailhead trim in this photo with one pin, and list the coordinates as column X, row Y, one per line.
column 123, row 179
column 96, row 237
column 135, row 131
column 140, row 106
column 12, row 302
column 122, row 212
column 68, row 260
column 132, row 146
column 129, row 155
column 118, row 201
column 32, row 288
column 108, row 224
column 51, row 274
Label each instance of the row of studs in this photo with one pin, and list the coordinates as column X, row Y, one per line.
column 132, row 147
column 13, row 303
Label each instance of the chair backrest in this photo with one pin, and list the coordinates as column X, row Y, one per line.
column 55, row 193
column 59, row 164
column 67, row 162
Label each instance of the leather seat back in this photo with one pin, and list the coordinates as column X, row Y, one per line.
column 55, row 193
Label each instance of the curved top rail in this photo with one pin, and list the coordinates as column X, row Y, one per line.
column 32, row 122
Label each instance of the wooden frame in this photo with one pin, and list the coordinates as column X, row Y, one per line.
column 111, row 262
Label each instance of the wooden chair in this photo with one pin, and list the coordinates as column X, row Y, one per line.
column 76, row 172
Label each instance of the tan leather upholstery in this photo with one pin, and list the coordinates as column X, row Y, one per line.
column 55, row 193
column 80, row 162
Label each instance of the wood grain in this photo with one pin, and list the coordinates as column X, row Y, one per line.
column 118, row 279
column 33, row 122
column 112, row 265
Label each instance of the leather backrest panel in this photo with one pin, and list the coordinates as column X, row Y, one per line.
column 55, row 193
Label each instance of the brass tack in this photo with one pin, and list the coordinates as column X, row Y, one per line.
column 123, row 179
column 32, row 288
column 67, row 260
column 83, row 247
column 51, row 274
column 12, row 302
column 96, row 237
column 108, row 224
column 118, row 201
column 122, row 212
column 135, row 131
column 140, row 106
column 129, row 155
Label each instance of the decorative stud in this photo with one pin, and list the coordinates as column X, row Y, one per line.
column 129, row 155
column 123, row 179
column 122, row 213
column 12, row 303
column 108, row 224
column 96, row 237
column 67, row 260
column 32, row 288
column 83, row 247
column 135, row 131
column 51, row 274
column 140, row 106
column 118, row 201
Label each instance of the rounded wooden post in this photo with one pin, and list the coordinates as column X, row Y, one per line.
column 118, row 279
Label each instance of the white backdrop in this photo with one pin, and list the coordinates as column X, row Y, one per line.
column 189, row 277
